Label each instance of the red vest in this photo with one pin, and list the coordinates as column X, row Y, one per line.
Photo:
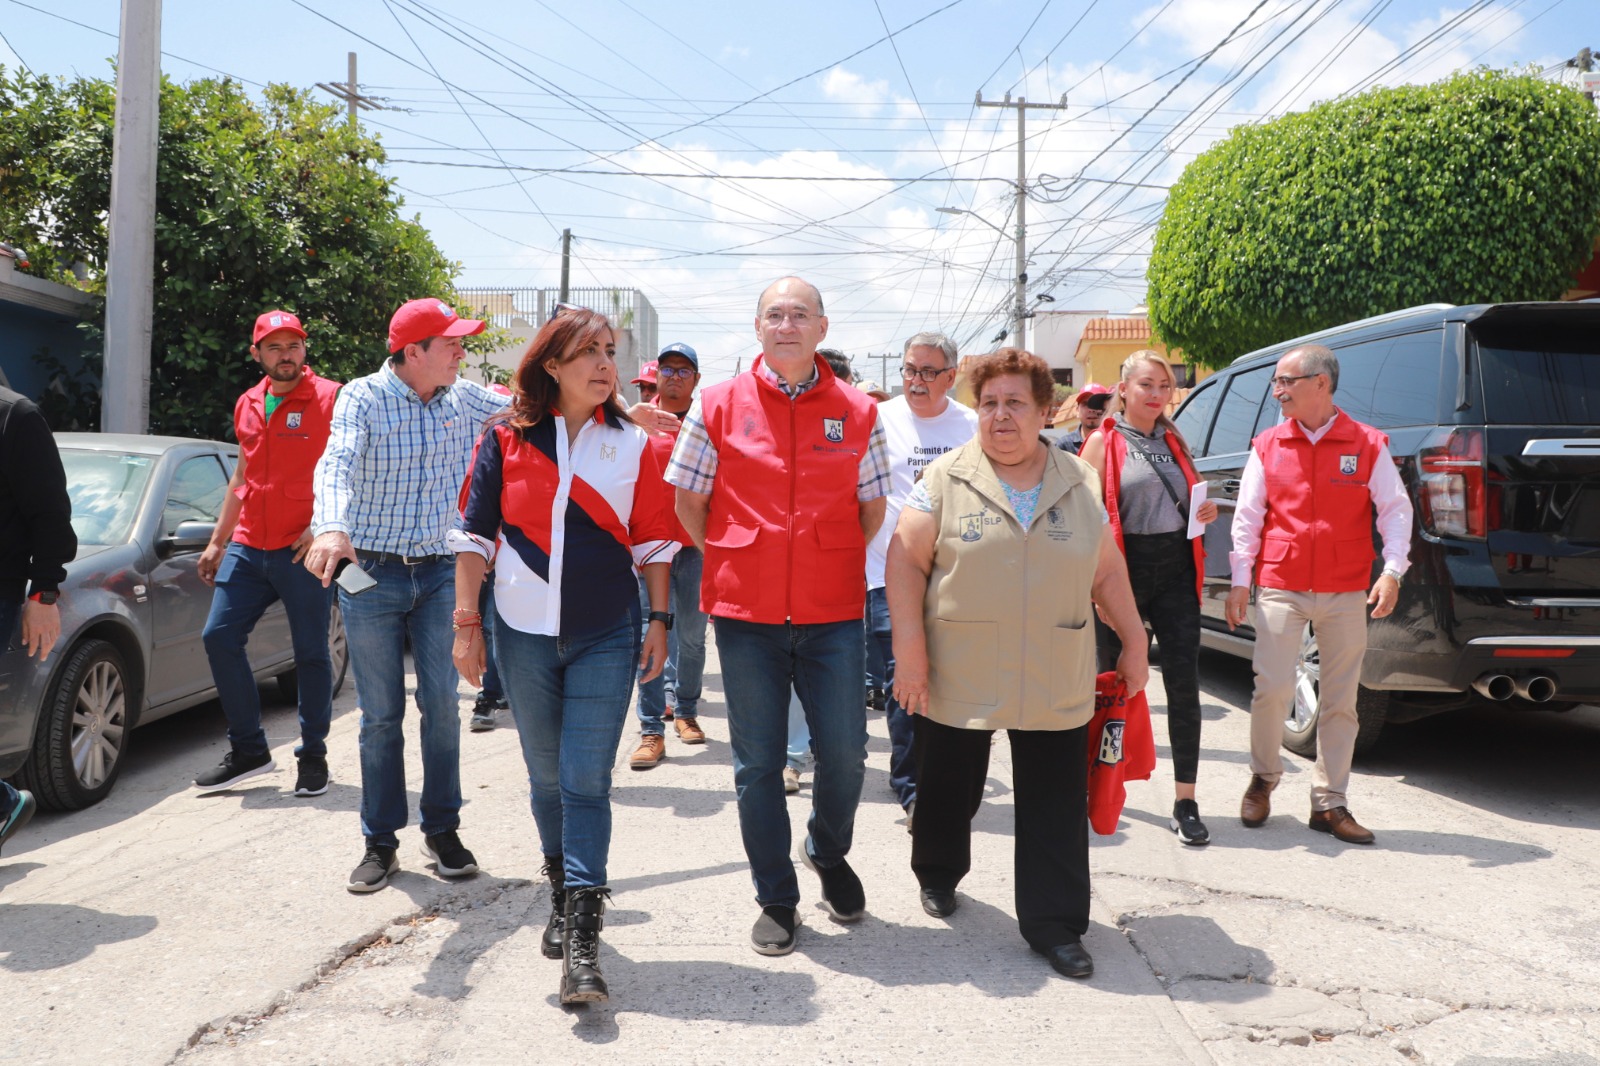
column 1317, row 535
column 783, row 540
column 661, row 444
column 1116, row 455
column 280, row 457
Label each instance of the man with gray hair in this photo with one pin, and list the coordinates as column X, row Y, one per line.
column 1302, row 533
column 919, row 425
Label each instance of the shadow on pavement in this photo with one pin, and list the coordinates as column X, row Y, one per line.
column 44, row 936
column 1182, row 947
column 699, row 993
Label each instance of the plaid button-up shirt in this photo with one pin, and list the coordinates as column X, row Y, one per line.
column 693, row 466
column 392, row 473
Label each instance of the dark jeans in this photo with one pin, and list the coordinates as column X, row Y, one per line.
column 686, row 646
column 1051, row 849
column 10, row 612
column 902, row 761
column 823, row 664
column 492, row 689
column 1161, row 570
column 569, row 696
column 249, row 580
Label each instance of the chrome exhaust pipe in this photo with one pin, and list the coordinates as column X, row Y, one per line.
column 1540, row 688
column 1496, row 687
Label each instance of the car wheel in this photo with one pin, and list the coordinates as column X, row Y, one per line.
column 83, row 731
column 338, row 652
column 1300, row 727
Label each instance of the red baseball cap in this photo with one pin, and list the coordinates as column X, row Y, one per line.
column 272, row 322
column 1090, row 391
column 648, row 374
column 417, row 320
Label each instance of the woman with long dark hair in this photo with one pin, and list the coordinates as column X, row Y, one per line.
column 1145, row 478
column 568, row 502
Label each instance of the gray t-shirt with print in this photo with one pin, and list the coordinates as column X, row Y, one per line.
column 1144, row 505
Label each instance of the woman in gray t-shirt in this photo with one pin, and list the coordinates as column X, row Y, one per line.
column 1145, row 477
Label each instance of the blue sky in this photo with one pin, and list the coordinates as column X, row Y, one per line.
column 706, row 148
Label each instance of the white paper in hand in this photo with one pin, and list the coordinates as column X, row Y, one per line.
column 1197, row 496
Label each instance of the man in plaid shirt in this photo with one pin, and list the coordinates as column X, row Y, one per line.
column 782, row 475
column 386, row 492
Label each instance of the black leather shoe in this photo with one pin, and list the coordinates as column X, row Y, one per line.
column 1070, row 960
column 550, row 942
column 939, row 902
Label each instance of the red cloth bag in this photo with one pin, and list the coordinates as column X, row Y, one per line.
column 1121, row 748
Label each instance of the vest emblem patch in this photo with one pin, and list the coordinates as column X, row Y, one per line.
column 972, row 527
column 1347, row 464
column 833, row 429
column 293, row 420
column 608, row 452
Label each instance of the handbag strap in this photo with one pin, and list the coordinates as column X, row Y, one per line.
column 1136, row 440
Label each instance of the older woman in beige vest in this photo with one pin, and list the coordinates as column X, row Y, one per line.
column 994, row 571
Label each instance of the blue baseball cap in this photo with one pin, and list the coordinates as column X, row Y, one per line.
column 681, row 349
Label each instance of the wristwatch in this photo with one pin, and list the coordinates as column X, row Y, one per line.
column 1390, row 571
column 664, row 617
column 48, row 597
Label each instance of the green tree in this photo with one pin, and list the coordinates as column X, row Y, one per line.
column 1484, row 187
column 260, row 204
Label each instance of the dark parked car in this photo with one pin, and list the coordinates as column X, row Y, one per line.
column 132, row 610
column 1493, row 416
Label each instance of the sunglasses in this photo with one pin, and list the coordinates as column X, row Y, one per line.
column 560, row 309
column 676, row 371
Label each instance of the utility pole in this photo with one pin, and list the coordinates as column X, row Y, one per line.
column 1021, row 106
column 350, row 92
column 131, row 225
column 566, row 262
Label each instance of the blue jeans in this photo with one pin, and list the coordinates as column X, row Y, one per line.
column 250, row 580
column 10, row 613
column 799, row 743
column 414, row 601
column 824, row 665
column 569, row 697
column 877, row 671
column 902, row 759
column 686, row 647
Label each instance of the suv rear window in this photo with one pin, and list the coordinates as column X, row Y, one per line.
column 1554, row 381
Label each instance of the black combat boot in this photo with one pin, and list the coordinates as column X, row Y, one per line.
column 550, row 943
column 580, row 970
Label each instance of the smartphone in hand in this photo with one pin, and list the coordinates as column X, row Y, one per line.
column 353, row 579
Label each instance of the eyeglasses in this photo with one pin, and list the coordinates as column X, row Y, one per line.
column 796, row 318
column 560, row 309
column 1283, row 381
column 676, row 371
column 925, row 373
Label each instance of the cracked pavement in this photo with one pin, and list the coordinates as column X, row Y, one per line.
column 161, row 927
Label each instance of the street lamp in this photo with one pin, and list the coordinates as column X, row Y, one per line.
column 1019, row 314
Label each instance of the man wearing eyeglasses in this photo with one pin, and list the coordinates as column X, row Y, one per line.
column 1302, row 532
column 781, row 476
column 677, row 373
column 919, row 425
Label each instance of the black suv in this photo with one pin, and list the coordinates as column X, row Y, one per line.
column 1493, row 416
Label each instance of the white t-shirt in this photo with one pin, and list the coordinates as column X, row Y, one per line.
column 913, row 443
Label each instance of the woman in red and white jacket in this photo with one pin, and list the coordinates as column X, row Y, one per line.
column 566, row 498
column 1145, row 479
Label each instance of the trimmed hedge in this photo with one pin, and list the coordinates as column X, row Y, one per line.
column 1484, row 187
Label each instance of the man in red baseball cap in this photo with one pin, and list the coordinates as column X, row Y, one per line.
column 253, row 559
column 648, row 379
column 386, row 495
column 1091, row 403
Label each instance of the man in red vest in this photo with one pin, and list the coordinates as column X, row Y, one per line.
column 253, row 559
column 1302, row 531
column 782, row 475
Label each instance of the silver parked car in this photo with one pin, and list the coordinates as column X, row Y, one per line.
column 132, row 611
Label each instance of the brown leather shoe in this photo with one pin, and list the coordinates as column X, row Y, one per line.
column 689, row 730
column 1257, row 803
column 652, row 749
column 1342, row 824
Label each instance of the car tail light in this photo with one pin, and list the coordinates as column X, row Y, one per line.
column 1454, row 490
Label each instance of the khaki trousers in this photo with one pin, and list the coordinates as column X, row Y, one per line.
column 1340, row 622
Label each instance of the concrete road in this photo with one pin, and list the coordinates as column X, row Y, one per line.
column 163, row 927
